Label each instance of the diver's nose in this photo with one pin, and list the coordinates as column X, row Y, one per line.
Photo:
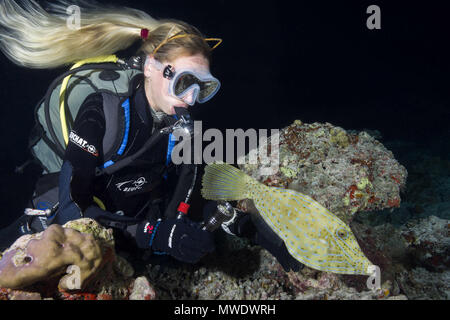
column 190, row 97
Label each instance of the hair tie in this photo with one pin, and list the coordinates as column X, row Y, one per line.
column 144, row 34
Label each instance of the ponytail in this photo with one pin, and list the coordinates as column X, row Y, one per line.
column 36, row 38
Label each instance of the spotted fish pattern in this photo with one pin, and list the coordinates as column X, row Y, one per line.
column 312, row 234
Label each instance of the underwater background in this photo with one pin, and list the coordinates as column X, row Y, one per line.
column 314, row 61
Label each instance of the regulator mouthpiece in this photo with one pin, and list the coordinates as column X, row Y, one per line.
column 184, row 123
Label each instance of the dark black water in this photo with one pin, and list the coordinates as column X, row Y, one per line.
column 281, row 61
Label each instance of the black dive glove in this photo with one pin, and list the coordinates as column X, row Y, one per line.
column 14, row 231
column 181, row 238
column 261, row 234
column 23, row 225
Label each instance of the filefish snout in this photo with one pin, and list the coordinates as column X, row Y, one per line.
column 345, row 248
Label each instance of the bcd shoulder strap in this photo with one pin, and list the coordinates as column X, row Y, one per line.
column 112, row 80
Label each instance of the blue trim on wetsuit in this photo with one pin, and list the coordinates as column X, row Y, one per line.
column 126, row 107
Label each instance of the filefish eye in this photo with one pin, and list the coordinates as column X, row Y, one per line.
column 342, row 233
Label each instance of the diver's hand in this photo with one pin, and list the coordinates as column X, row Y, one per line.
column 23, row 225
column 181, row 238
column 14, row 231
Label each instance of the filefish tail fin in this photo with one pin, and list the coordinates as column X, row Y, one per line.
column 222, row 181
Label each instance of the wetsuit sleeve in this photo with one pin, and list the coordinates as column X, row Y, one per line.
column 83, row 154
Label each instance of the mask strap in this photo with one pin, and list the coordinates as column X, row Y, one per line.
column 219, row 41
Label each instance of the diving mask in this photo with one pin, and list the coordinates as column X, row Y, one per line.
column 202, row 85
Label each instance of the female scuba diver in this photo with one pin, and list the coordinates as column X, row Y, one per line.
column 136, row 198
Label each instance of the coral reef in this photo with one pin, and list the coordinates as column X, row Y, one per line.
column 409, row 241
column 224, row 276
column 429, row 242
column 344, row 171
column 414, row 256
column 420, row 284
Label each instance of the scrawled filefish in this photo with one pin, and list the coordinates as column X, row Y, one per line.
column 312, row 234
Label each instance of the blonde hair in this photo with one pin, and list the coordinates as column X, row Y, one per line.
column 36, row 38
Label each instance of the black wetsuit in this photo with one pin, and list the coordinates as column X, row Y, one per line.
column 139, row 198
column 141, row 201
column 142, row 190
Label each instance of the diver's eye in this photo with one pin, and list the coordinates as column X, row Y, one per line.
column 341, row 233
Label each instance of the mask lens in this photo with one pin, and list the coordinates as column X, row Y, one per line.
column 183, row 83
column 186, row 80
column 206, row 89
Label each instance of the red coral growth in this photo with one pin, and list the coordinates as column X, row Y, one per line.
column 367, row 163
column 394, row 203
column 3, row 294
column 268, row 181
column 292, row 138
column 78, row 296
column 352, row 190
column 396, row 179
column 89, row 296
column 373, row 199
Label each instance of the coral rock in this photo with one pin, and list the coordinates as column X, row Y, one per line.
column 344, row 171
column 76, row 261
column 424, row 285
column 429, row 240
column 142, row 290
column 53, row 253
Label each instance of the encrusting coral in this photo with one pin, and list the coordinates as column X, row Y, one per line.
column 76, row 261
column 51, row 255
